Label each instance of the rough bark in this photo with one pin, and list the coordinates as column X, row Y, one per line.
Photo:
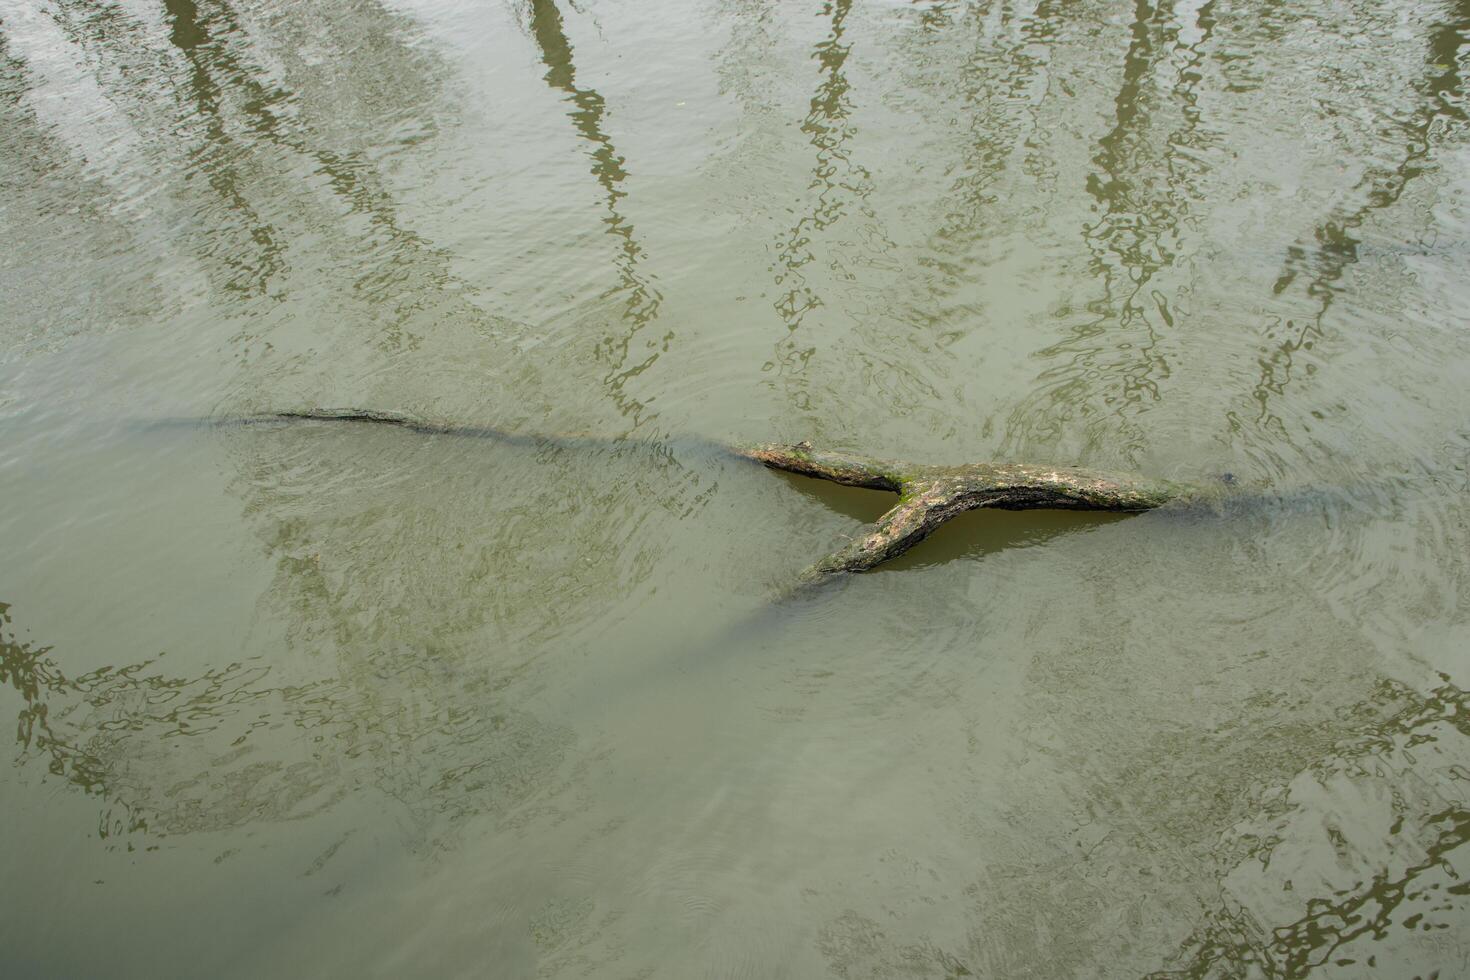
column 927, row 495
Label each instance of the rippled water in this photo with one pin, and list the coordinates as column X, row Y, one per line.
column 343, row 700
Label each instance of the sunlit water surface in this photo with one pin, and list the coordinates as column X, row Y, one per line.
column 346, row 701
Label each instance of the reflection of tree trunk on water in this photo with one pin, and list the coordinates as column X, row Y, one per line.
column 1337, row 248
column 210, row 55
column 840, row 184
column 215, row 157
column 118, row 46
column 220, row 84
column 51, row 192
column 1141, row 202
column 31, row 672
column 443, row 744
column 85, row 757
column 996, row 80
column 102, row 733
column 348, row 176
column 1429, row 823
column 995, row 84
column 440, row 753
column 1139, row 229
column 828, row 130
column 641, row 298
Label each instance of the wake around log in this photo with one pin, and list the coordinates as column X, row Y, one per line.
column 928, row 496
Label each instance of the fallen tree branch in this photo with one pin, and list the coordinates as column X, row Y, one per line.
column 928, row 496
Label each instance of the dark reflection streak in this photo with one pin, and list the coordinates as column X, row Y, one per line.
column 1178, row 170
column 105, row 24
column 214, row 159
column 988, row 149
column 1135, row 237
column 108, row 29
column 202, row 34
column 1337, row 247
column 1043, row 26
column 79, row 758
column 52, row 192
column 1186, row 94
column 1132, row 230
column 840, row 182
column 936, row 17
column 642, row 298
column 347, row 174
column 11, row 67
column 994, row 130
column 30, row 671
column 1311, row 940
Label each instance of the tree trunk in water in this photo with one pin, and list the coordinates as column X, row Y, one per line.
column 927, row 495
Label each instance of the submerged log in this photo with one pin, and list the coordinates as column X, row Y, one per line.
column 930, row 495
column 927, row 495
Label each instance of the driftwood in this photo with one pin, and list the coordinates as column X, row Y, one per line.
column 930, row 495
column 927, row 495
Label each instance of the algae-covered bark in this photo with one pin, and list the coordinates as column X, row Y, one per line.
column 931, row 495
column 927, row 495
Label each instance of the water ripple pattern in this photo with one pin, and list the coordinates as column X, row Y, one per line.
column 510, row 695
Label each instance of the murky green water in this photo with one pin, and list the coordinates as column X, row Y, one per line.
column 348, row 701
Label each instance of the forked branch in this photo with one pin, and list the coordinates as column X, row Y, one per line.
column 927, row 495
column 931, row 495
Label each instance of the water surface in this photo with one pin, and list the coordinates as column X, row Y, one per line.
column 353, row 701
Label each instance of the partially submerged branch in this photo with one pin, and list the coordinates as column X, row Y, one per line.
column 931, row 495
column 927, row 495
column 845, row 468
